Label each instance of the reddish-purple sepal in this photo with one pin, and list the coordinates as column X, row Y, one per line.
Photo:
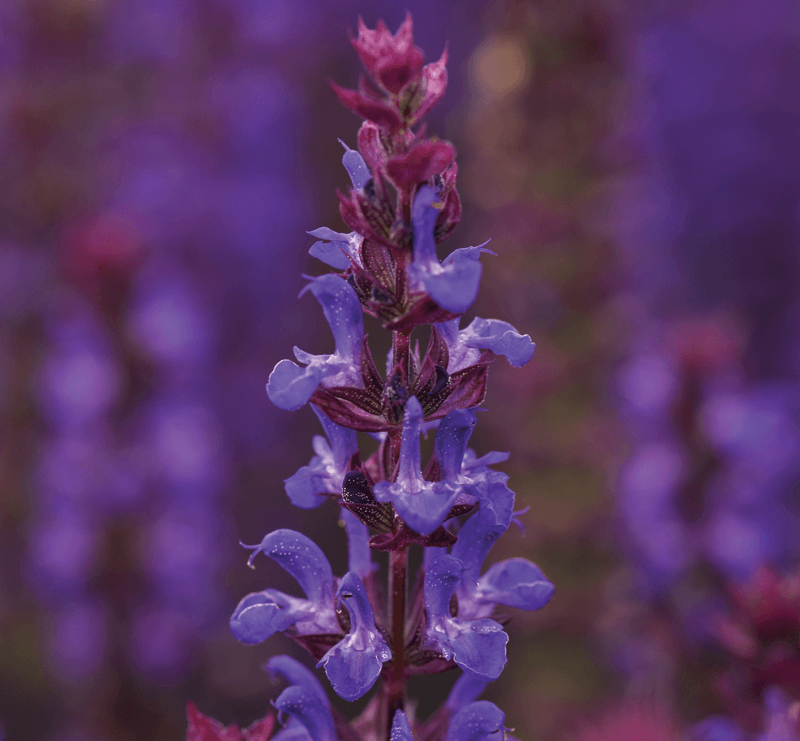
column 404, row 536
column 203, row 728
column 420, row 163
column 393, row 61
column 383, row 114
column 434, row 82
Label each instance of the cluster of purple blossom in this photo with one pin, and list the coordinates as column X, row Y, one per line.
column 143, row 411
column 440, row 617
column 138, row 401
column 708, row 499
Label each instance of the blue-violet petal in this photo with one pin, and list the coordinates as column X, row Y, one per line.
column 333, row 247
column 354, row 664
column 451, row 440
column 467, row 689
column 515, row 582
column 302, row 558
column 453, row 284
column 323, row 475
column 423, row 505
column 290, row 386
column 294, row 672
column 261, row 614
column 477, row 646
column 499, row 337
column 476, row 722
column 359, row 554
column 303, row 704
column 356, row 167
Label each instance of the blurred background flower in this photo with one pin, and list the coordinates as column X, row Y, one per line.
column 638, row 169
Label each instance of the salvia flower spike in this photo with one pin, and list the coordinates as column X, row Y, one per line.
column 364, row 635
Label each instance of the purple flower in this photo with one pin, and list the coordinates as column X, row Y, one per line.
column 453, row 283
column 261, row 614
column 716, row 728
column 515, row 582
column 459, row 465
column 423, row 505
column 359, row 554
column 305, row 701
column 168, row 321
column 476, row 722
column 356, row 168
column 291, row 386
column 452, row 436
column 466, row 689
column 402, row 202
column 500, row 337
column 481, row 531
column 334, row 248
column 648, row 487
column 324, row 474
column 353, row 664
column 780, row 725
column 477, row 646
column 80, row 380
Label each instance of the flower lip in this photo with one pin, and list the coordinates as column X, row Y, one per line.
column 453, row 283
column 296, row 673
column 335, row 248
column 342, row 309
column 478, row 647
column 501, row 338
column 515, row 582
column 308, row 487
column 302, row 703
column 261, row 614
column 477, row 721
column 451, row 441
column 356, row 167
column 301, row 557
column 258, row 616
column 422, row 504
column 291, row 386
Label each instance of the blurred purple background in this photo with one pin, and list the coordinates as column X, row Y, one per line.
column 161, row 160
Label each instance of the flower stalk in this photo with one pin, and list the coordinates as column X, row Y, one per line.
column 402, row 203
column 398, row 564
